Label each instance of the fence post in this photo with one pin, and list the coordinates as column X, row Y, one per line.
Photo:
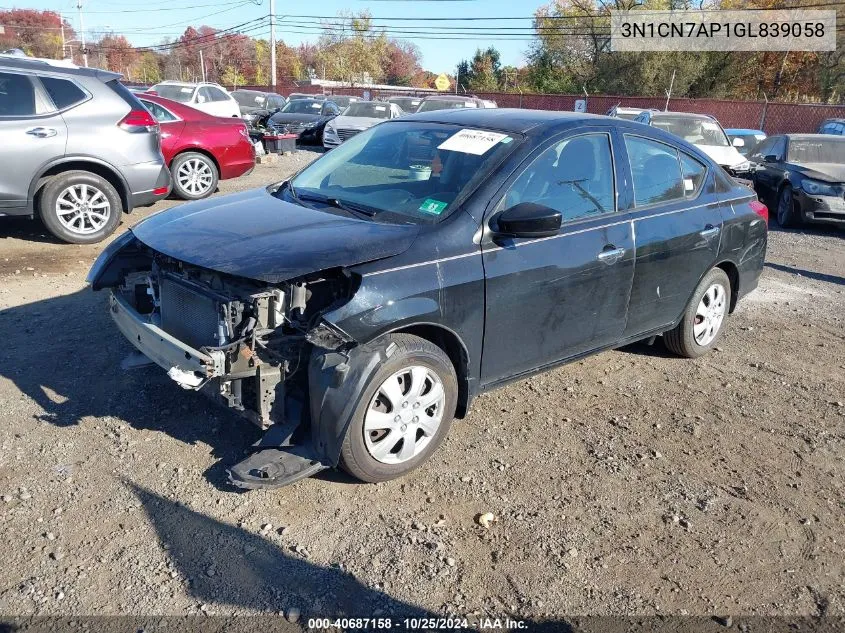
column 763, row 115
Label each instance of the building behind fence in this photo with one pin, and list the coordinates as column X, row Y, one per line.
column 771, row 117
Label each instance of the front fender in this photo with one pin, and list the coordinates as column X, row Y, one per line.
column 336, row 385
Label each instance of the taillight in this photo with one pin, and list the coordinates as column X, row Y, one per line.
column 138, row 121
column 760, row 209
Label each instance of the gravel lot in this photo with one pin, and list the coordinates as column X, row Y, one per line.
column 633, row 482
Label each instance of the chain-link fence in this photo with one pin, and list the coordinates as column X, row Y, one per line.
column 771, row 117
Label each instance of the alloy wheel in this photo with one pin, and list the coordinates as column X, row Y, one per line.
column 195, row 176
column 710, row 314
column 404, row 415
column 83, row 209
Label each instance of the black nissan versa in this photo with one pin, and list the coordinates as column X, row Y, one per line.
column 355, row 309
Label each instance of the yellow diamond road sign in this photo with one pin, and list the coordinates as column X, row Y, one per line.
column 442, row 82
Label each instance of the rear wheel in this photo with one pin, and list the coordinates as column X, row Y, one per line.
column 704, row 318
column 404, row 413
column 80, row 207
column 194, row 176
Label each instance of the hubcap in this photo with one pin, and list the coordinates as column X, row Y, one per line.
column 83, row 209
column 404, row 415
column 710, row 313
column 194, row 176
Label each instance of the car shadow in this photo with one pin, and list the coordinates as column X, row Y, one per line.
column 807, row 229
column 28, row 229
column 64, row 354
column 810, row 274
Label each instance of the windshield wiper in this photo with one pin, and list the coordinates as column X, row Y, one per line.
column 338, row 204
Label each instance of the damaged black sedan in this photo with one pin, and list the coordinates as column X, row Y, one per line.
column 354, row 310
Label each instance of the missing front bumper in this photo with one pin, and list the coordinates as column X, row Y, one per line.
column 188, row 366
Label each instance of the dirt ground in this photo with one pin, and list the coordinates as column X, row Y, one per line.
column 630, row 483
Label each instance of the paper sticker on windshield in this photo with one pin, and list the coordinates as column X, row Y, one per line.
column 432, row 206
column 689, row 185
column 476, row 142
column 381, row 108
column 316, row 105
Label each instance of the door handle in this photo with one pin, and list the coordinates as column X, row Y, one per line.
column 42, row 132
column 710, row 231
column 610, row 256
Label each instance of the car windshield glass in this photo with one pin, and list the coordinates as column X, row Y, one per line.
column 444, row 104
column 181, row 94
column 692, row 129
column 368, row 109
column 302, row 106
column 817, row 151
column 629, row 116
column 250, row 99
column 416, row 172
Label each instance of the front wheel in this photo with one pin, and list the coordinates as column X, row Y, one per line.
column 704, row 318
column 787, row 213
column 404, row 413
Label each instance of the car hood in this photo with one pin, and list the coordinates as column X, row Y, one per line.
column 255, row 235
column 828, row 172
column 284, row 117
column 724, row 156
column 355, row 122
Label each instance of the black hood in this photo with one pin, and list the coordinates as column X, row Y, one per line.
column 829, row 172
column 292, row 117
column 257, row 236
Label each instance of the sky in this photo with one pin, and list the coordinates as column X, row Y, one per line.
column 146, row 23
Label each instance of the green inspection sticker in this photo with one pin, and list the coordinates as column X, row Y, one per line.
column 432, row 206
column 506, row 140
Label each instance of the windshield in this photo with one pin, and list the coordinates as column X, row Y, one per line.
column 817, row 151
column 303, row 106
column 416, row 171
column 368, row 109
column 444, row 104
column 628, row 116
column 250, row 99
column 693, row 130
column 181, row 94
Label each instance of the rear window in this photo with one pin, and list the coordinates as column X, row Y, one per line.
column 125, row 94
column 64, row 93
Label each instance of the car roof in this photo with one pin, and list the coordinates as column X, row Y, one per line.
column 55, row 66
column 504, row 119
column 254, row 92
column 743, row 130
column 692, row 115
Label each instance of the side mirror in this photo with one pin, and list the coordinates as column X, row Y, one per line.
column 738, row 142
column 528, row 219
column 770, row 158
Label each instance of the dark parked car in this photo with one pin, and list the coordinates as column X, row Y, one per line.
column 255, row 104
column 452, row 102
column 355, row 309
column 306, row 118
column 803, row 177
column 833, row 126
column 302, row 95
column 408, row 104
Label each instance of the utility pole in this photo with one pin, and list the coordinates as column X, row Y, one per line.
column 62, row 25
column 669, row 92
column 202, row 66
column 82, row 33
column 273, row 43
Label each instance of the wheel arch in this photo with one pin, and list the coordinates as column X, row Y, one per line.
column 100, row 168
column 732, row 271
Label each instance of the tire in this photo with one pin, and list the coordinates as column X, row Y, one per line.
column 787, row 216
column 368, row 452
column 195, row 176
column 80, row 207
column 687, row 339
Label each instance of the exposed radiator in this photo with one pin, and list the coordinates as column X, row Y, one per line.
column 188, row 315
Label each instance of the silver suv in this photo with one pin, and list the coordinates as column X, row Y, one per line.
column 77, row 148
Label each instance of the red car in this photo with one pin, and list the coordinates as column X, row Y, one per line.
column 199, row 148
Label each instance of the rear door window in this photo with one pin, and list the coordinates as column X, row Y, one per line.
column 64, row 93
column 161, row 114
column 694, row 172
column 655, row 170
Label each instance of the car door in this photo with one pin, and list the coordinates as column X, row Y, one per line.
column 677, row 222
column 553, row 298
column 768, row 174
column 33, row 133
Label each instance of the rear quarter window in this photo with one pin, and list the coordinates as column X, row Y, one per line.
column 63, row 92
column 124, row 93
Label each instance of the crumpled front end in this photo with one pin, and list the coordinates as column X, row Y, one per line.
column 245, row 343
